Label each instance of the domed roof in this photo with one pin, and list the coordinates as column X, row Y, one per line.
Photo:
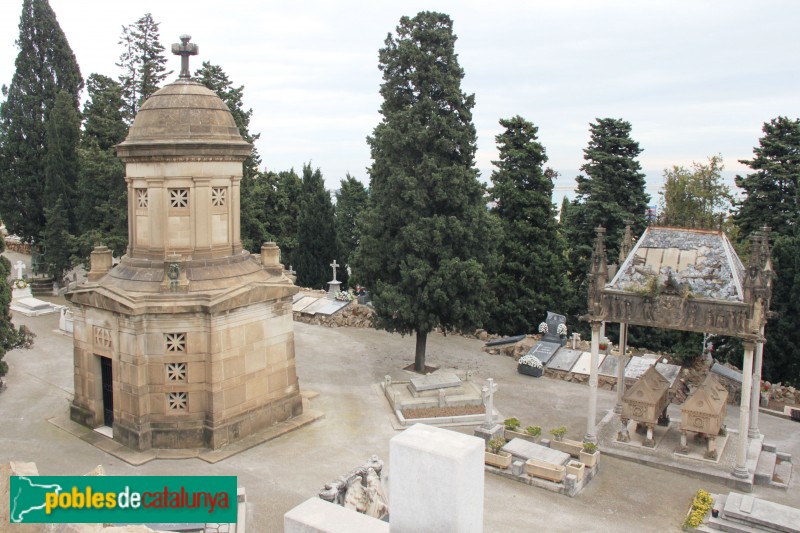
column 184, row 118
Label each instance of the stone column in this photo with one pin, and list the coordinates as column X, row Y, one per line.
column 740, row 470
column 623, row 358
column 592, row 415
column 755, row 398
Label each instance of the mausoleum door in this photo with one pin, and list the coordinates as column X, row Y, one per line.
column 108, row 391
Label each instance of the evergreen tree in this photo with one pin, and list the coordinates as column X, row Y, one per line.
column 45, row 65
column 316, row 236
column 10, row 337
column 351, row 199
column 695, row 198
column 782, row 349
column 58, row 242
column 611, row 191
column 103, row 203
column 770, row 192
column 426, row 236
column 142, row 62
column 530, row 278
column 563, row 213
column 61, row 158
column 286, row 214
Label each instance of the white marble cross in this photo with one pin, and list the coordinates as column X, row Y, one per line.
column 487, row 392
column 20, row 266
column 334, row 265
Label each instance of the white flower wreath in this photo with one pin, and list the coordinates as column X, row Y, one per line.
column 543, row 327
column 562, row 329
column 530, row 360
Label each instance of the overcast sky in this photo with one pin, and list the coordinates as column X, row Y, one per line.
column 694, row 78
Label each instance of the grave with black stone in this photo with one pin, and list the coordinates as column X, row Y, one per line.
column 553, row 321
column 544, row 351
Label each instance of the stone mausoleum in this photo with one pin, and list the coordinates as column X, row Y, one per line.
column 188, row 342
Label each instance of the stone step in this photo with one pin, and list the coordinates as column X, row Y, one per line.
column 757, row 513
column 731, row 526
column 765, row 468
column 782, row 474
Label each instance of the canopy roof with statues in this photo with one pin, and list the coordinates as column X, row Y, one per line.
column 686, row 279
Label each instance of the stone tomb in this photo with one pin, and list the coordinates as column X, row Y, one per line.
column 583, row 364
column 638, row 365
column 436, row 390
column 33, row 307
column 544, row 351
column 523, row 450
column 564, row 360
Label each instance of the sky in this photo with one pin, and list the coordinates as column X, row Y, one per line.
column 694, row 78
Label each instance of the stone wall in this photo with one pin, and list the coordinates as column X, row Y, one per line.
column 354, row 316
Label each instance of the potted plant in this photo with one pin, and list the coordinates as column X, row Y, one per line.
column 577, row 468
column 530, row 365
column 603, row 346
column 589, row 454
column 512, row 423
column 765, row 393
column 558, row 433
column 495, row 456
column 534, row 431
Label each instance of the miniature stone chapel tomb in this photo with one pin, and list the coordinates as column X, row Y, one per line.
column 703, row 413
column 188, row 342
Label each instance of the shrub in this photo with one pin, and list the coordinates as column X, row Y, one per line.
column 589, row 447
column 534, row 431
column 559, row 432
column 496, row 444
column 511, row 423
column 701, row 504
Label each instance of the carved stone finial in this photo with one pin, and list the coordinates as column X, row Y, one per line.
column 185, row 49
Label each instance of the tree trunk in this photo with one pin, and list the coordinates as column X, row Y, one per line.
column 419, row 358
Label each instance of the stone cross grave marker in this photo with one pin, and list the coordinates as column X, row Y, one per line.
column 20, row 266
column 488, row 391
column 333, row 266
column 185, row 49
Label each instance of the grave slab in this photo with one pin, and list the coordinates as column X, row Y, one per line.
column 303, row 302
column 315, row 306
column 583, row 364
column 523, row 449
column 332, row 307
column 726, row 372
column 544, row 351
column 564, row 359
column 637, row 366
column 438, row 380
column 761, row 513
column 609, row 366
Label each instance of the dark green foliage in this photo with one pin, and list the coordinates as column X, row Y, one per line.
column 530, row 280
column 782, row 349
column 257, row 200
column 286, row 215
column 682, row 345
column 316, row 235
column 142, row 62
column 58, row 242
column 10, row 337
column 770, row 192
column 611, row 191
column 351, row 199
column 45, row 65
column 103, row 202
column 563, row 213
column 426, row 237
column 61, row 158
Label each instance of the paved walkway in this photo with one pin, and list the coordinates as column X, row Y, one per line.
column 342, row 365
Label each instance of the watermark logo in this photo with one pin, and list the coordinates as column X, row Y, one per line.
column 122, row 499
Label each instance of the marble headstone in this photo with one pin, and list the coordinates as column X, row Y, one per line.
column 553, row 321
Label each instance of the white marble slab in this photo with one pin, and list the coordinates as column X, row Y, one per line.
column 437, row 380
column 303, row 302
column 521, row 448
column 332, row 307
column 316, row 306
column 583, row 364
column 638, row 366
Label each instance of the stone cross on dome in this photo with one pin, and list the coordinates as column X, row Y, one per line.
column 185, row 49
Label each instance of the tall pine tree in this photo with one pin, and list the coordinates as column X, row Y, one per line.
column 770, row 192
column 530, row 280
column 103, row 202
column 316, row 235
column 426, row 238
column 142, row 61
column 45, row 65
column 611, row 192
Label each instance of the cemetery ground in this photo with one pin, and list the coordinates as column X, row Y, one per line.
column 343, row 365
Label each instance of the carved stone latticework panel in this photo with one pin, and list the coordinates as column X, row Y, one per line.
column 177, row 402
column 102, row 338
column 176, row 342
column 176, row 372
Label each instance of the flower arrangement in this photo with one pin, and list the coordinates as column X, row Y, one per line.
column 530, row 360
column 562, row 330
column 496, row 444
column 765, row 387
column 344, row 296
column 20, row 283
column 543, row 329
column 701, row 504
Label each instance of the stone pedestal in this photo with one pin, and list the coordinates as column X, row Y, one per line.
column 436, row 482
column 490, row 433
column 333, row 287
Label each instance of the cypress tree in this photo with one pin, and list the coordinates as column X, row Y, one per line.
column 286, row 214
column 530, row 277
column 316, row 236
column 426, row 237
column 103, row 203
column 45, row 65
column 351, row 199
